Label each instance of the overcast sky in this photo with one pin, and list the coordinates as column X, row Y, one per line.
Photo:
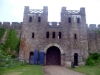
column 12, row 10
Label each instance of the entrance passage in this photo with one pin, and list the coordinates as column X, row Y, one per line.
column 31, row 58
column 76, row 59
column 53, row 56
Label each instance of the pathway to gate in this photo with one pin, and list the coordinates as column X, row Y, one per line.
column 59, row 70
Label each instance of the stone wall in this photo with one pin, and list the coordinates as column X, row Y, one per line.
column 76, row 37
column 68, row 43
column 14, row 25
column 93, row 38
column 93, row 35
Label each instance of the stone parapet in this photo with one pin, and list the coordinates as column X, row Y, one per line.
column 54, row 23
column 13, row 25
column 94, row 26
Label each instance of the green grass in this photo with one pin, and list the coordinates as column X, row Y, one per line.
column 88, row 70
column 22, row 70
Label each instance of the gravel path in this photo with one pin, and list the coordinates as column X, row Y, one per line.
column 59, row 70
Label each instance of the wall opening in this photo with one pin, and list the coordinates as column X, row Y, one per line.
column 32, row 35
column 47, row 35
column 54, row 44
column 76, row 59
column 69, row 20
column 53, row 56
column 53, row 35
column 31, row 58
column 78, row 20
column 39, row 19
column 30, row 19
column 75, row 36
column 59, row 35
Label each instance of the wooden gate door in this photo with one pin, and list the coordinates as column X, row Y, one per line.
column 53, row 56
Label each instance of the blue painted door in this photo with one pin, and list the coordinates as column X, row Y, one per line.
column 36, row 57
column 41, row 58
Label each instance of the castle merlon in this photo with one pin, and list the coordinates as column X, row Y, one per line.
column 94, row 26
column 27, row 10
column 13, row 25
column 73, row 12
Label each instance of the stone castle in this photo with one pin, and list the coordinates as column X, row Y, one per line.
column 70, row 40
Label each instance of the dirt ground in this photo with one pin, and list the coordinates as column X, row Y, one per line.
column 59, row 70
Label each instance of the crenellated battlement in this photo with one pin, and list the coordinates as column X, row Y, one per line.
column 27, row 10
column 17, row 25
column 94, row 27
column 13, row 25
column 73, row 12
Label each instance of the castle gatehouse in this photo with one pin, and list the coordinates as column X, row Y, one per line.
column 55, row 43
column 62, row 42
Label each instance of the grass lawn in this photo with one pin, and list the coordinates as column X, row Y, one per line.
column 23, row 70
column 88, row 70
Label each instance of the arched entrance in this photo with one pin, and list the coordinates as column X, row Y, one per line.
column 53, row 56
column 76, row 59
column 31, row 58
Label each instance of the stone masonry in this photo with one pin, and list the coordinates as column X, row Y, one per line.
column 75, row 35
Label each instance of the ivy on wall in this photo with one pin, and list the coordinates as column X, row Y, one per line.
column 23, row 43
column 12, row 40
column 2, row 31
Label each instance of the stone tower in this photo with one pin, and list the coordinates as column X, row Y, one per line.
column 62, row 42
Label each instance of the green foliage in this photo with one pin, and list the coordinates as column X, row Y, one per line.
column 93, row 59
column 23, row 70
column 9, row 49
column 12, row 41
column 97, row 31
column 95, row 56
column 2, row 46
column 1, row 54
column 88, row 70
column 90, row 61
column 2, row 31
column 17, row 47
column 1, row 51
column 9, row 62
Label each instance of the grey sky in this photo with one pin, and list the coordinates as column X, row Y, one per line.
column 12, row 10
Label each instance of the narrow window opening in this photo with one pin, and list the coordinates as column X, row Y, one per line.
column 69, row 20
column 78, row 20
column 32, row 35
column 39, row 19
column 59, row 36
column 53, row 35
column 75, row 36
column 30, row 19
column 47, row 35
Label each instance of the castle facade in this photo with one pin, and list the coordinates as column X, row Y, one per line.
column 70, row 40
